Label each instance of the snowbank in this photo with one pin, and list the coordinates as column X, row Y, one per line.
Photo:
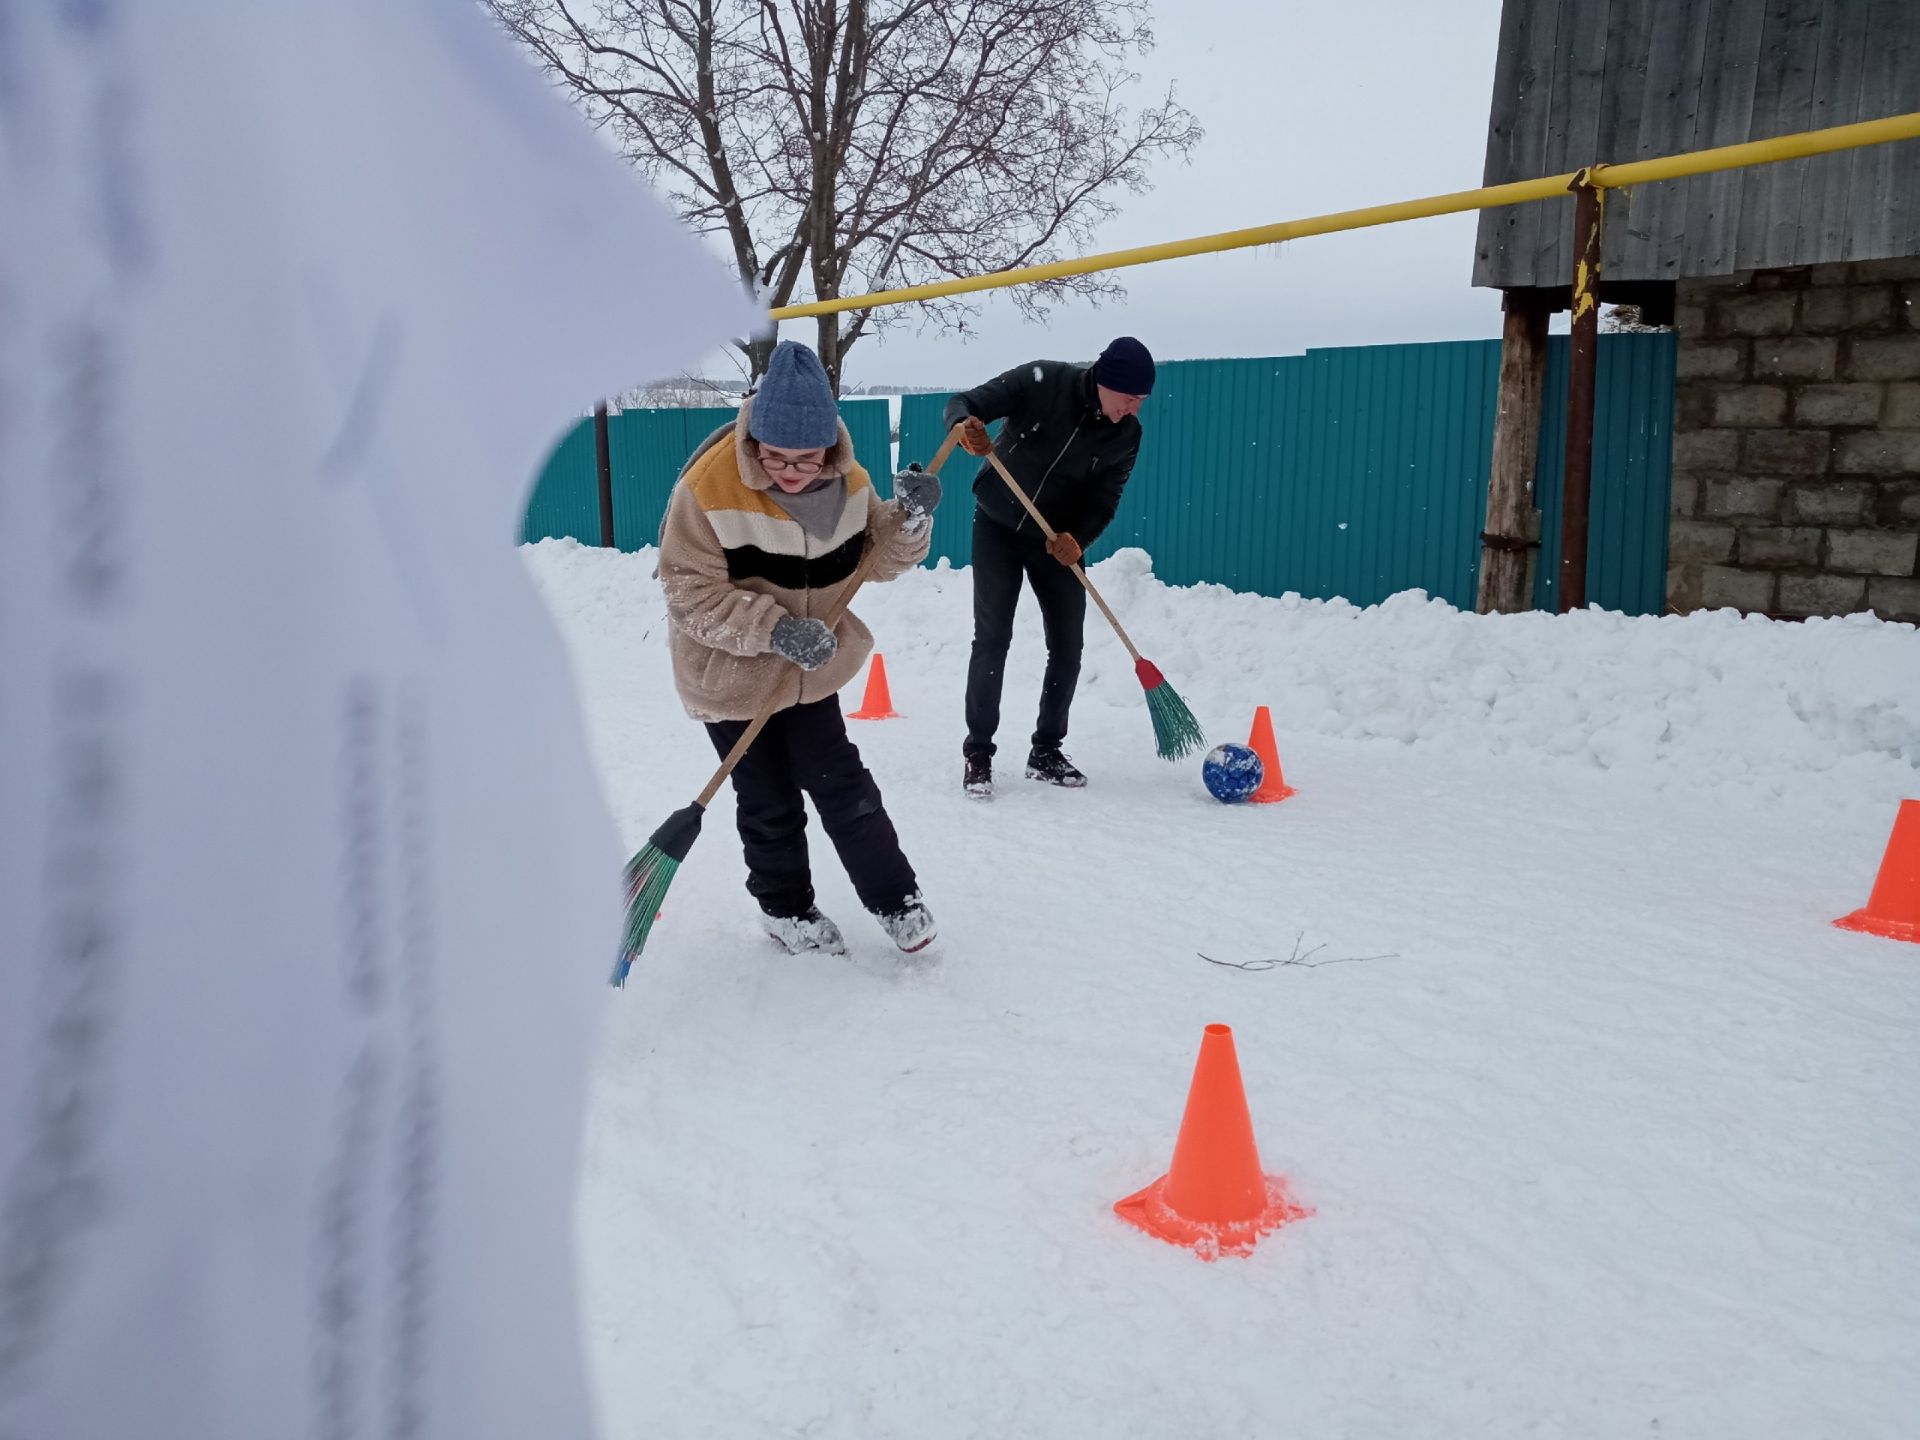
column 1713, row 697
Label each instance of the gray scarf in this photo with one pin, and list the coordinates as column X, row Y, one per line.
column 817, row 507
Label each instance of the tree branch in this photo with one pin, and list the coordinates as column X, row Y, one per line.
column 862, row 144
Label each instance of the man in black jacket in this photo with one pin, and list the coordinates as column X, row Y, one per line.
column 1070, row 439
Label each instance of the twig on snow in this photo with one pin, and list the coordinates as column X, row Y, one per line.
column 1298, row 957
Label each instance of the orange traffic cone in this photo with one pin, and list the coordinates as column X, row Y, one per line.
column 1274, row 786
column 1893, row 909
column 1214, row 1199
column 879, row 702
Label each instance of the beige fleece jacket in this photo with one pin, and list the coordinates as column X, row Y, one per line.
column 732, row 562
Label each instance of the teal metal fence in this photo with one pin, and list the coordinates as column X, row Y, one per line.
column 1632, row 474
column 1362, row 471
column 566, row 501
column 1355, row 472
column 647, row 449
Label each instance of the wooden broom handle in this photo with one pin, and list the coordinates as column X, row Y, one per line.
column 869, row 556
column 1049, row 532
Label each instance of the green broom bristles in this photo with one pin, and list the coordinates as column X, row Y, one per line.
column 1176, row 734
column 648, row 875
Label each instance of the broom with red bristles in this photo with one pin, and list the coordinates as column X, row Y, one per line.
column 650, row 872
column 1176, row 733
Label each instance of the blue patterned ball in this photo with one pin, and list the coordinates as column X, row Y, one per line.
column 1232, row 773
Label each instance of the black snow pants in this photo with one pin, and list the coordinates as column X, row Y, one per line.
column 1002, row 558
column 805, row 751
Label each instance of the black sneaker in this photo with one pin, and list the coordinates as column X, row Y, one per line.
column 1054, row 768
column 979, row 777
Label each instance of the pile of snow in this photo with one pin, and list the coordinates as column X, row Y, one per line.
column 1713, row 697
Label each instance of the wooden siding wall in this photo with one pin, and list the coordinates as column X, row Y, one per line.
column 1579, row 81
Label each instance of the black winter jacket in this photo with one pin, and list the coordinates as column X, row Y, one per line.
column 1071, row 460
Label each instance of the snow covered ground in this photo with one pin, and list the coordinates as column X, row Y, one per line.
column 1623, row 1138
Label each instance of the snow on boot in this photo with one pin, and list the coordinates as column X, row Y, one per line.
column 979, row 777
column 911, row 928
column 1054, row 768
column 802, row 934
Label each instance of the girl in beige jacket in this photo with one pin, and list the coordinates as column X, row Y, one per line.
column 762, row 535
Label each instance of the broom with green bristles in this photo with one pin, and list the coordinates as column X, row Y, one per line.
column 651, row 871
column 1176, row 733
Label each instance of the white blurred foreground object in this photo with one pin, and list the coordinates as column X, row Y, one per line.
column 305, row 882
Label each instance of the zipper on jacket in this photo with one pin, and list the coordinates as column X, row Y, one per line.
column 1040, row 489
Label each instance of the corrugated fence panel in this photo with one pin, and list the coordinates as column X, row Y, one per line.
column 1389, row 472
column 872, row 434
column 920, row 436
column 1356, row 472
column 566, row 501
column 1632, row 474
column 649, row 449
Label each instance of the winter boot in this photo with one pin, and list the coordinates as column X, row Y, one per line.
column 911, row 927
column 979, row 778
column 802, row 934
column 1054, row 768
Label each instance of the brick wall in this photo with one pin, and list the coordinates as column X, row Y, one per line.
column 1796, row 442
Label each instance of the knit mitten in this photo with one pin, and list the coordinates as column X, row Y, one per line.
column 916, row 490
column 807, row 643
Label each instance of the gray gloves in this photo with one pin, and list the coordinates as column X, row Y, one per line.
column 917, row 491
column 807, row 643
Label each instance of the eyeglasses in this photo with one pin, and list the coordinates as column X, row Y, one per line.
column 798, row 467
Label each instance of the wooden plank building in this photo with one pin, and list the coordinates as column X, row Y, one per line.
column 1793, row 285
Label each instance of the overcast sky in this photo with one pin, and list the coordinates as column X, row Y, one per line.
column 1309, row 106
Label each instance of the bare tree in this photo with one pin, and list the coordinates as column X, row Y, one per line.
column 680, row 392
column 847, row 146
